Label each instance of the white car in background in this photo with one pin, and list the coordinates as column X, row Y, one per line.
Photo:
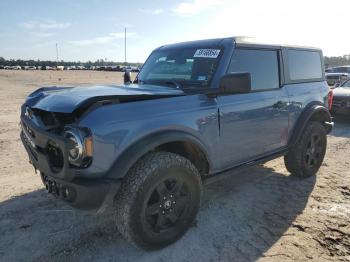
column 29, row 68
column 15, row 67
column 339, row 69
column 334, row 79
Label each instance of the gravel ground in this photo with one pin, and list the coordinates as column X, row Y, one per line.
column 261, row 214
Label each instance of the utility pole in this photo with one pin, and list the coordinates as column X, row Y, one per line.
column 125, row 47
column 57, row 53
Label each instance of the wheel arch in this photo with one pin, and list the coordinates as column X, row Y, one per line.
column 313, row 112
column 179, row 142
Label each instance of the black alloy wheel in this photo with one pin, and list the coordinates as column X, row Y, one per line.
column 313, row 151
column 158, row 200
column 305, row 158
column 167, row 205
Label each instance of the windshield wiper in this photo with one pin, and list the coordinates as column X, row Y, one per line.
column 160, row 82
column 176, row 84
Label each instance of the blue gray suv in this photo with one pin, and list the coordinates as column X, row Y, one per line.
column 195, row 112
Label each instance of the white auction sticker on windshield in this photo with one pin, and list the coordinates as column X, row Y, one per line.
column 207, row 53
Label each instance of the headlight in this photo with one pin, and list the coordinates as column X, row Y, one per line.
column 75, row 146
column 80, row 147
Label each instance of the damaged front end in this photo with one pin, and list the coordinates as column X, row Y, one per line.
column 63, row 150
column 57, row 127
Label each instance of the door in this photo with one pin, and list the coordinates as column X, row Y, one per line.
column 256, row 123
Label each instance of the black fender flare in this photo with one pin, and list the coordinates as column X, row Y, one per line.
column 146, row 144
column 317, row 111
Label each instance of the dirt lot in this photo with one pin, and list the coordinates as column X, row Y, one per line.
column 262, row 214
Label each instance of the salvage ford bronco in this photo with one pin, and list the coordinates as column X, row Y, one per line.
column 196, row 111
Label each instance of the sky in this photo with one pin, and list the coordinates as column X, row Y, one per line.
column 91, row 29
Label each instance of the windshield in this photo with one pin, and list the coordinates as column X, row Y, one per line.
column 185, row 67
column 346, row 84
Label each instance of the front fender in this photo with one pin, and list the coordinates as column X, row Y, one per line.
column 135, row 151
column 139, row 148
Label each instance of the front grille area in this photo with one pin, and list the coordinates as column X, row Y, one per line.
column 29, row 131
column 29, row 146
column 55, row 157
column 47, row 118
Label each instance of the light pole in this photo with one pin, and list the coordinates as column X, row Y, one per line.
column 125, row 47
column 57, row 53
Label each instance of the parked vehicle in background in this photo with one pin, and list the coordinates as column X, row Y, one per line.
column 29, row 68
column 100, row 68
column 134, row 69
column 341, row 99
column 61, row 68
column 90, row 67
column 14, row 67
column 336, row 78
column 340, row 69
column 196, row 111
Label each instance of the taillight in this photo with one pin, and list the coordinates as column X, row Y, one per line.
column 330, row 99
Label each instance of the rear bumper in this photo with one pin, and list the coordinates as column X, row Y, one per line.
column 329, row 126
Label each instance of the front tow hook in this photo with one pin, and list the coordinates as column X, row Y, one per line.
column 51, row 187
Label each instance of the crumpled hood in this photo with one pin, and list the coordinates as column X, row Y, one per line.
column 67, row 99
column 340, row 91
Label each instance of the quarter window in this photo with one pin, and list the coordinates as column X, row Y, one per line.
column 261, row 64
column 304, row 65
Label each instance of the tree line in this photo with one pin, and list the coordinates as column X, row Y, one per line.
column 330, row 61
column 99, row 62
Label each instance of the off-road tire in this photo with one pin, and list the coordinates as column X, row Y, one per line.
column 131, row 200
column 296, row 160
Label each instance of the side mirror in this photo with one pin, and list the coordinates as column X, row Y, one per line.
column 127, row 77
column 336, row 85
column 235, row 83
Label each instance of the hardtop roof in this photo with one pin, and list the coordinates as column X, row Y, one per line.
column 241, row 41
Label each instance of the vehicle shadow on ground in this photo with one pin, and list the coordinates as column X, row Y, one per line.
column 341, row 126
column 241, row 217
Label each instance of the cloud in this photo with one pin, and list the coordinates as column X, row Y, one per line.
column 102, row 39
column 41, row 34
column 44, row 25
column 194, row 7
column 157, row 11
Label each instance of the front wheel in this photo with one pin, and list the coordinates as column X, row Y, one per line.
column 305, row 158
column 158, row 200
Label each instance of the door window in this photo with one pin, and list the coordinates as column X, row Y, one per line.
column 261, row 64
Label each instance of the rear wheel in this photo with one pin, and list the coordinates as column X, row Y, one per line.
column 158, row 200
column 305, row 158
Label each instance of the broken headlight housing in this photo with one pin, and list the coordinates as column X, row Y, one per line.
column 79, row 146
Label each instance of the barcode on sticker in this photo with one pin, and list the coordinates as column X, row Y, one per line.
column 207, row 53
